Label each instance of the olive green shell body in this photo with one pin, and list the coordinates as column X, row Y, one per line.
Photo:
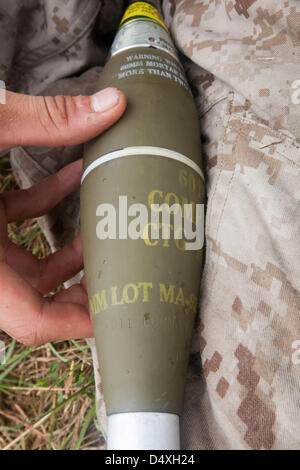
column 143, row 293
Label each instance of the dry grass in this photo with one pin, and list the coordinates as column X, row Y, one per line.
column 47, row 399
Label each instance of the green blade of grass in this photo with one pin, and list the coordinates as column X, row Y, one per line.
column 85, row 426
column 9, row 350
column 66, row 441
column 83, row 350
column 56, row 353
column 15, row 363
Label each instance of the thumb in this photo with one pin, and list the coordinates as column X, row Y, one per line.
column 57, row 120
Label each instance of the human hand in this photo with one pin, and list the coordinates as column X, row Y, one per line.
column 25, row 313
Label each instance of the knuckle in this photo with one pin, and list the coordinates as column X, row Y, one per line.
column 58, row 110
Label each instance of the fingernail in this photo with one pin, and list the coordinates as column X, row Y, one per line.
column 105, row 99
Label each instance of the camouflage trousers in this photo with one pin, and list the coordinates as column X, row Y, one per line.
column 242, row 60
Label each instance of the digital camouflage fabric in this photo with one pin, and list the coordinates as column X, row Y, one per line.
column 242, row 60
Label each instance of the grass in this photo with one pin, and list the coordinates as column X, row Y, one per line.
column 47, row 397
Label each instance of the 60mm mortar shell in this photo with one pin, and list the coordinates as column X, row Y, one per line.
column 143, row 291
